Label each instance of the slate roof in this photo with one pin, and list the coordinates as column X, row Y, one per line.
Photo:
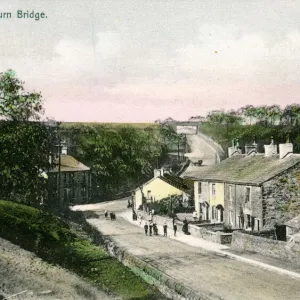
column 294, row 223
column 243, row 169
column 69, row 164
column 178, row 182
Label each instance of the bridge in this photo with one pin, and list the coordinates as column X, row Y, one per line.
column 179, row 125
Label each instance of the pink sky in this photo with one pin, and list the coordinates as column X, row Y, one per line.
column 126, row 62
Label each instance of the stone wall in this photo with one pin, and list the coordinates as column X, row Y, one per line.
column 281, row 197
column 204, row 233
column 167, row 285
column 272, row 248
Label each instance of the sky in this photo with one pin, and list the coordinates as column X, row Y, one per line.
column 143, row 60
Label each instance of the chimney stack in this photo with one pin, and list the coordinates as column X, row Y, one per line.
column 235, row 149
column 270, row 149
column 251, row 149
column 158, row 172
column 285, row 149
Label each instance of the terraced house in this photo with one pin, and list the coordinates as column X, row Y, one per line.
column 251, row 190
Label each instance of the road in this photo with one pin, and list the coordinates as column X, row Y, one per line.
column 213, row 275
column 202, row 148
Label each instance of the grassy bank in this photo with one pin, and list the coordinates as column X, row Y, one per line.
column 54, row 241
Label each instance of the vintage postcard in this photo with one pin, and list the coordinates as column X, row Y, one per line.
column 150, row 149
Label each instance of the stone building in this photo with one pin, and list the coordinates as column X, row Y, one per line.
column 74, row 186
column 251, row 190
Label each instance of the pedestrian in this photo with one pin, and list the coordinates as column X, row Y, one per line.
column 165, row 229
column 155, row 230
column 150, row 228
column 106, row 214
column 140, row 219
column 175, row 228
column 146, row 228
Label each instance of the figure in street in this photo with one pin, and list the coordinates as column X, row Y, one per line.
column 140, row 219
column 165, row 229
column 106, row 214
column 146, row 228
column 150, row 228
column 175, row 228
column 155, row 229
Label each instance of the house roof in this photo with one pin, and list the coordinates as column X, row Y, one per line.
column 294, row 223
column 183, row 184
column 69, row 164
column 243, row 169
column 178, row 182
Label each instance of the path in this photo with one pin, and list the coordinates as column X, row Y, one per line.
column 213, row 274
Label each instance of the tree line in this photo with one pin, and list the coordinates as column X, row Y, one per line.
column 253, row 123
column 121, row 158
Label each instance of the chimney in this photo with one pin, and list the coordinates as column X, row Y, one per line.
column 270, row 149
column 251, row 149
column 235, row 149
column 64, row 149
column 158, row 172
column 285, row 149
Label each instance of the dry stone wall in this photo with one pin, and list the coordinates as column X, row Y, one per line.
column 272, row 248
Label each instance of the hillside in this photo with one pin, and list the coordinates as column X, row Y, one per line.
column 55, row 242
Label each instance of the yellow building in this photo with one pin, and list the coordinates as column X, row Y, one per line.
column 209, row 200
column 163, row 186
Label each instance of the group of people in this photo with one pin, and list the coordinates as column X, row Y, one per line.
column 112, row 215
column 151, row 227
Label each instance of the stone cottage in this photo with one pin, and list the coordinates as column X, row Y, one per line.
column 251, row 190
column 69, row 183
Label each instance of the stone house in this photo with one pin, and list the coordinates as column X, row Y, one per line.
column 161, row 186
column 251, row 190
column 70, row 183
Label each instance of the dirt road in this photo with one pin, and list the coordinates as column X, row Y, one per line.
column 202, row 148
column 215, row 276
column 23, row 273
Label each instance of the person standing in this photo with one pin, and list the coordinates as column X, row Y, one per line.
column 140, row 219
column 155, row 230
column 165, row 229
column 146, row 228
column 175, row 228
column 105, row 214
column 150, row 228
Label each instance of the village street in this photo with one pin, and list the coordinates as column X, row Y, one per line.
column 213, row 275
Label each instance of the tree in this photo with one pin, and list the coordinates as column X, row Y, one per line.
column 247, row 111
column 291, row 114
column 24, row 145
column 274, row 114
column 15, row 103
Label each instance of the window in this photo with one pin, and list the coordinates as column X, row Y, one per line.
column 213, row 189
column 247, row 198
column 230, row 193
column 248, row 224
column 199, row 188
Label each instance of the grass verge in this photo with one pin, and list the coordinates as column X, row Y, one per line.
column 54, row 241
